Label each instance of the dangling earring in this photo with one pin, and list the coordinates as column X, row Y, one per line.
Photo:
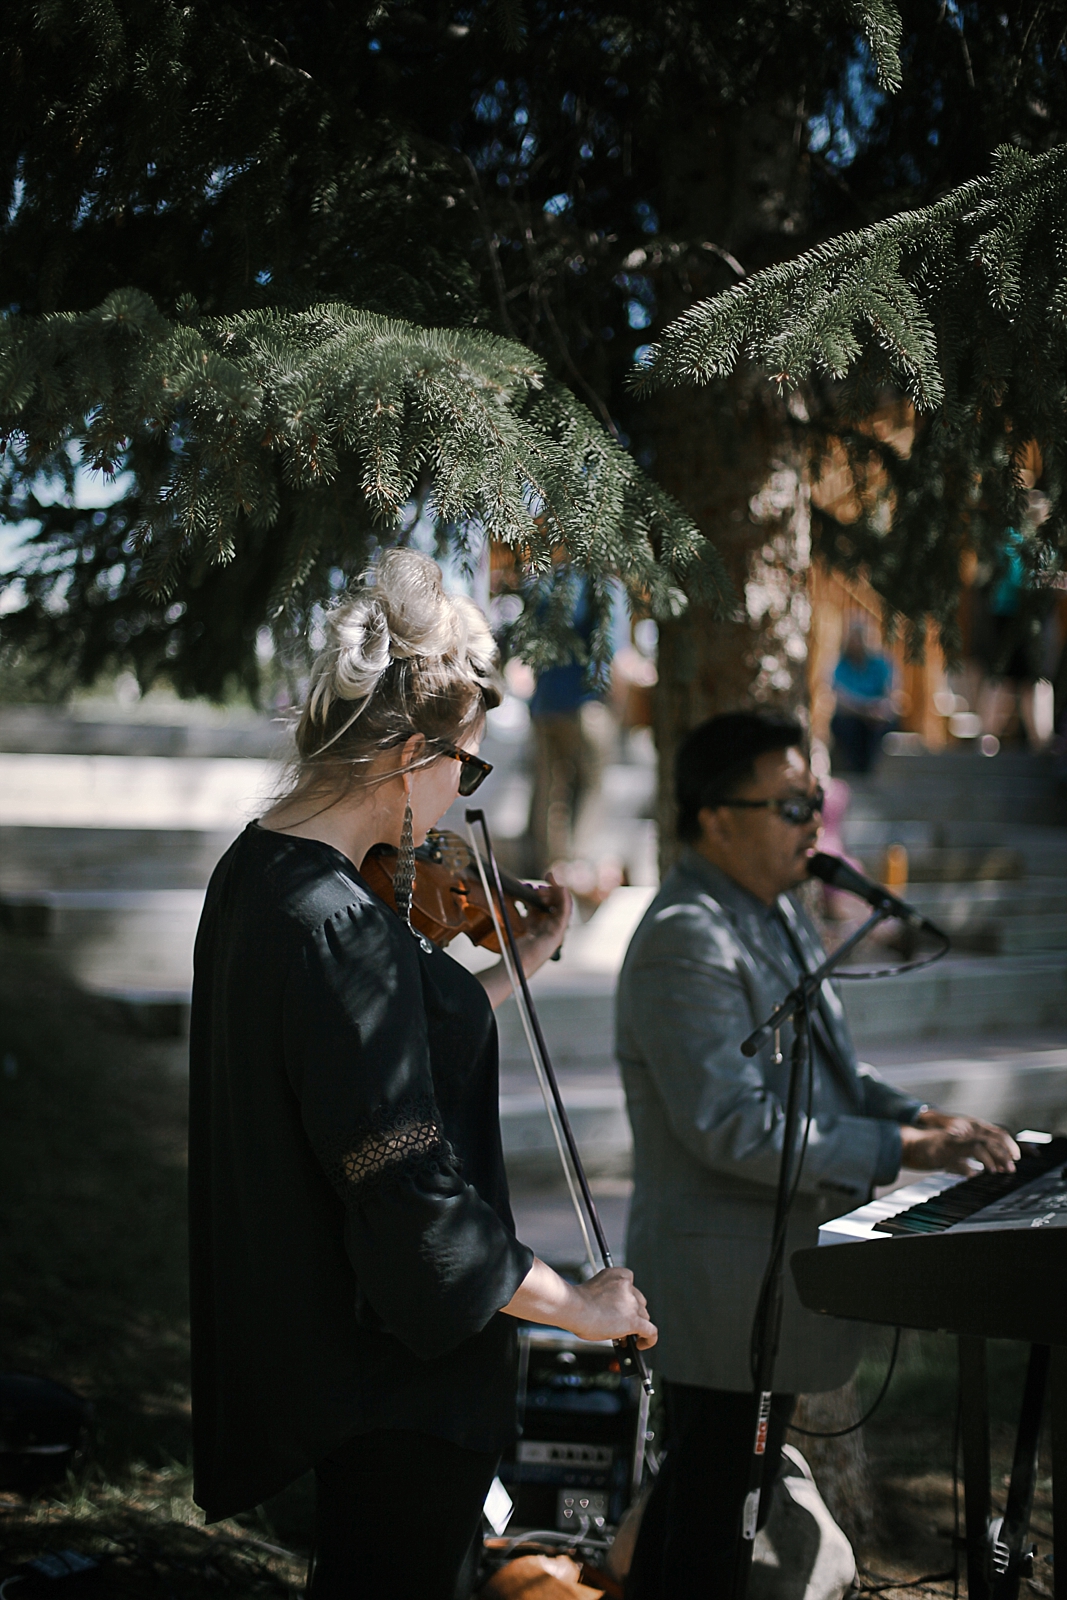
column 404, row 877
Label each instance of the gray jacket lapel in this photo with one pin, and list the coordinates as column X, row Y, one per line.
column 736, row 905
column 831, row 1013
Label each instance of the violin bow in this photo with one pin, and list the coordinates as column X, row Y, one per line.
column 573, row 1169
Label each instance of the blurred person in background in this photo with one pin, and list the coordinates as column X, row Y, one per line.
column 634, row 676
column 863, row 686
column 1008, row 645
column 568, row 747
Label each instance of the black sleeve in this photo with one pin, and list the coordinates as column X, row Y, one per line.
column 432, row 1258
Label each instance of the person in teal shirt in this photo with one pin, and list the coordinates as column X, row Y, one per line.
column 1008, row 645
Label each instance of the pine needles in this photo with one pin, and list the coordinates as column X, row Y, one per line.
column 303, row 435
column 984, row 267
column 962, row 307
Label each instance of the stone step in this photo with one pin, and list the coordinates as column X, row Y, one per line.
column 597, row 1115
column 42, row 730
column 938, row 804
column 957, row 830
column 134, row 792
column 87, row 858
column 997, row 917
column 953, row 904
column 1016, row 1084
column 134, row 948
column 961, row 993
column 1036, row 769
column 1013, row 936
column 1013, row 788
column 909, row 765
column 958, row 854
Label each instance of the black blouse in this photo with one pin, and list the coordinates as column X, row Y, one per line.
column 350, row 1233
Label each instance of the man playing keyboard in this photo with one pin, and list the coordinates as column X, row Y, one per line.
column 718, row 948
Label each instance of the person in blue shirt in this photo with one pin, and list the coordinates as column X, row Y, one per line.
column 863, row 684
column 567, row 760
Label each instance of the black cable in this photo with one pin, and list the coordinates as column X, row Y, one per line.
column 839, row 1433
column 778, row 1241
column 848, row 975
column 930, row 1577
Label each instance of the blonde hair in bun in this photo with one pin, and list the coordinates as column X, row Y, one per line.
column 401, row 657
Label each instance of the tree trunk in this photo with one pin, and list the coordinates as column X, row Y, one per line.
column 735, row 189
column 737, row 478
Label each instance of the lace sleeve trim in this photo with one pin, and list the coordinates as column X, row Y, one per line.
column 410, row 1140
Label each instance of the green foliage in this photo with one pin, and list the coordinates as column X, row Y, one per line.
column 489, row 165
column 238, row 154
column 962, row 307
column 983, row 268
column 299, row 437
column 556, row 173
column 879, row 22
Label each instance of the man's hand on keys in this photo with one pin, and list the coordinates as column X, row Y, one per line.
column 939, row 1141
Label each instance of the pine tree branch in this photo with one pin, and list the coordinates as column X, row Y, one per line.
column 922, row 290
column 961, row 305
column 880, row 23
column 279, row 444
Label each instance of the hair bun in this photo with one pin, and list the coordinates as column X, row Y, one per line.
column 399, row 613
column 423, row 621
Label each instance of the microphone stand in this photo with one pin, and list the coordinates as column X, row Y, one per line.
column 796, row 1005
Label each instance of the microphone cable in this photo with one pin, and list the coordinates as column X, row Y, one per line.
column 840, row 1433
column 837, row 873
column 848, row 976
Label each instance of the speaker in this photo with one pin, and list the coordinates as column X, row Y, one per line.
column 582, row 1420
column 43, row 1425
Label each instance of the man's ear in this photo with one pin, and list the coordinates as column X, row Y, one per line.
column 711, row 824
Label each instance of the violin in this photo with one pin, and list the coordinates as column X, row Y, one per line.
column 448, row 897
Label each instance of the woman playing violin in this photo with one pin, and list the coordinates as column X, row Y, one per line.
column 356, row 1278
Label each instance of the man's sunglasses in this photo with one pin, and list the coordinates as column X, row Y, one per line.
column 473, row 770
column 797, row 810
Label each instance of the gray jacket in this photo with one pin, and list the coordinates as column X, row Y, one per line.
column 705, row 966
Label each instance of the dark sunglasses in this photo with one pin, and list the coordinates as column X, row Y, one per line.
column 473, row 770
column 798, row 810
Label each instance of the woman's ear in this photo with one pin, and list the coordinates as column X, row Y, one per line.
column 411, row 753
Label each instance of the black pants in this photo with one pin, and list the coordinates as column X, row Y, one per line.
column 397, row 1518
column 690, row 1526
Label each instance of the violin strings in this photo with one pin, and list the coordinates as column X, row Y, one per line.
column 534, row 1053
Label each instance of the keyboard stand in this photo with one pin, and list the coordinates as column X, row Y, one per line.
column 974, row 1435
column 1059, row 1466
column 996, row 1553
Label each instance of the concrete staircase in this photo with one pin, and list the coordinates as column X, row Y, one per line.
column 986, row 842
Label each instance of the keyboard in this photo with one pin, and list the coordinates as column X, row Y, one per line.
column 1034, row 1195
column 985, row 1255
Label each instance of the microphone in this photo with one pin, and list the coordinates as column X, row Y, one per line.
column 839, row 875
